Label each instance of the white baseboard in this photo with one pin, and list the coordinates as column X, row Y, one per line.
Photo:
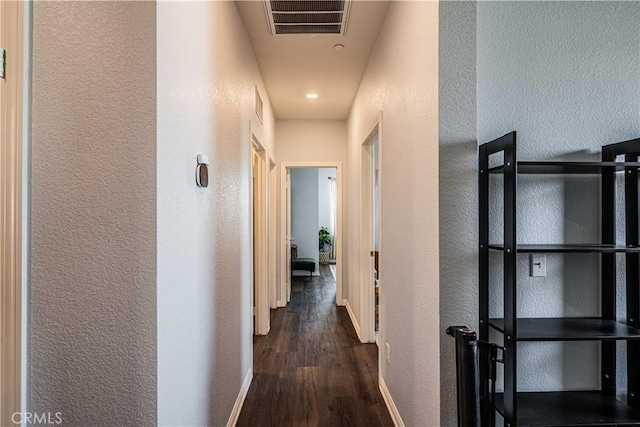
column 237, row 407
column 352, row 316
column 391, row 406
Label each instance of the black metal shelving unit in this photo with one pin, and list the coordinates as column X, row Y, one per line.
column 563, row 408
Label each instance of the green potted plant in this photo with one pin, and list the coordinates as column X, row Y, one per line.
column 324, row 244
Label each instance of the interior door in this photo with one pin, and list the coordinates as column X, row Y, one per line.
column 288, row 233
column 375, row 233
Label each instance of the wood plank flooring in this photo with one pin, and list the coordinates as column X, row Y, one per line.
column 311, row 370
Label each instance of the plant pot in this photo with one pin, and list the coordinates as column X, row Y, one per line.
column 324, row 257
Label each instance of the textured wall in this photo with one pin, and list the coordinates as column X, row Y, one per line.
column 92, row 331
column 401, row 80
column 305, row 212
column 206, row 78
column 458, row 187
column 565, row 75
column 312, row 141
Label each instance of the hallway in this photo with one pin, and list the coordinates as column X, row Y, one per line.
column 311, row 369
column 138, row 282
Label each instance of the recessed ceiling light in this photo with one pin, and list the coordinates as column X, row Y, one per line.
column 312, row 95
column 339, row 47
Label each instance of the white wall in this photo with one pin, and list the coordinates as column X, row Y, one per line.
column 206, row 78
column 401, row 80
column 324, row 196
column 312, row 141
column 576, row 89
column 92, row 291
column 305, row 212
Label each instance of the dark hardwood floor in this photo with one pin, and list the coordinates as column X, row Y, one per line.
column 311, row 369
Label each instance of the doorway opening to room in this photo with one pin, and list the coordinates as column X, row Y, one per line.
column 313, row 221
column 312, row 227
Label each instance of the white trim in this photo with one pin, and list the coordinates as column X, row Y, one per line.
column 391, row 406
column 272, row 254
column 283, row 238
column 27, row 32
column 237, row 407
column 367, row 294
column 284, row 292
column 354, row 319
column 261, row 243
column 12, row 123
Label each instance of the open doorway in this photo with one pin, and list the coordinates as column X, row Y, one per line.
column 371, row 285
column 375, row 231
column 311, row 224
column 313, row 210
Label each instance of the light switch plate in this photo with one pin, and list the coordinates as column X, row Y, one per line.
column 537, row 265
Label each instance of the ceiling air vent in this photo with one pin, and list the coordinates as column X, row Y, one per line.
column 287, row 17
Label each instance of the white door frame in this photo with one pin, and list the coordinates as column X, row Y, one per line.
column 260, row 269
column 273, row 234
column 283, row 219
column 11, row 180
column 285, row 267
column 367, row 294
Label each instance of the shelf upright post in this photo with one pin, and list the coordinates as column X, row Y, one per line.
column 483, row 226
column 608, row 271
column 633, row 280
column 510, row 277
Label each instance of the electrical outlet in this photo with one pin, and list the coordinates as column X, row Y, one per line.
column 537, row 265
column 388, row 353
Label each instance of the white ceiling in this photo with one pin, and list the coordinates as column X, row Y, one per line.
column 295, row 65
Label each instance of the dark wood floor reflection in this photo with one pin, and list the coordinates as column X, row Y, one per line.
column 311, row 370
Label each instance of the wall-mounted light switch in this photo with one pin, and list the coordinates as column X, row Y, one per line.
column 537, row 265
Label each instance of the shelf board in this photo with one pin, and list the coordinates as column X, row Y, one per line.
column 568, row 168
column 570, row 248
column 569, row 329
column 571, row 408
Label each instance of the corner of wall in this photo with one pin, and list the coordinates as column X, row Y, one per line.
column 457, row 151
